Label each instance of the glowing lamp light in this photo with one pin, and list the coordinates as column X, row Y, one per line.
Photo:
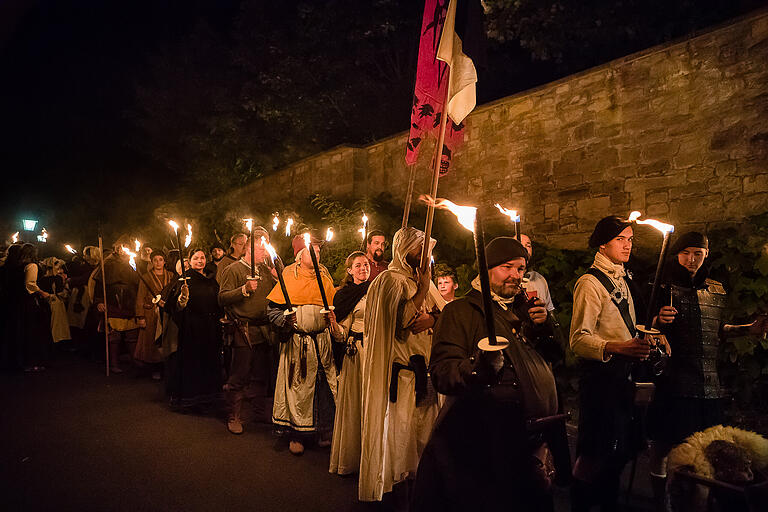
column 29, row 224
column 70, row 249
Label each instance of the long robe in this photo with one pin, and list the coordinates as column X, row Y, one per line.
column 305, row 390
column 347, row 425
column 194, row 369
column 146, row 350
column 394, row 433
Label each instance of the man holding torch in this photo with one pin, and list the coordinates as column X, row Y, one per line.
column 305, row 391
column 122, row 285
column 606, row 307
column 244, row 298
column 481, row 455
column 688, row 396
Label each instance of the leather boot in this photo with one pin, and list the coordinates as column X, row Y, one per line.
column 234, row 420
column 114, row 358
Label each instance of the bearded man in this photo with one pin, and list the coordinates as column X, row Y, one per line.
column 481, row 453
column 376, row 243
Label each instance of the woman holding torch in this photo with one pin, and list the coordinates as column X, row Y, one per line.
column 350, row 309
column 305, row 391
column 194, row 371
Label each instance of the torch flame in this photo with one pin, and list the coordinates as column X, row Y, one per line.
column 329, row 234
column 288, row 225
column 44, row 234
column 70, row 249
column 661, row 226
column 15, row 237
column 188, row 238
column 465, row 214
column 512, row 214
column 249, row 225
column 307, row 240
column 137, row 244
column 364, row 230
column 131, row 255
column 270, row 250
column 275, row 223
column 174, row 226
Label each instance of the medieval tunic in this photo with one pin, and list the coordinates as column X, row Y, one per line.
column 146, row 349
column 688, row 394
column 194, row 369
column 394, row 432
column 347, row 426
column 480, row 445
column 605, row 389
column 305, row 390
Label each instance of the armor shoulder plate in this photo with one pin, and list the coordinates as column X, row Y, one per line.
column 715, row 287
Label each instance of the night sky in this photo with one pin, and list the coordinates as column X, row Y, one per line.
column 78, row 147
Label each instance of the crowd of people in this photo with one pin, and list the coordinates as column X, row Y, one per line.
column 385, row 367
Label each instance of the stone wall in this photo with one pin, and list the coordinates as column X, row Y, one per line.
column 679, row 132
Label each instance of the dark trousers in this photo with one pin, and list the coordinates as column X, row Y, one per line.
column 249, row 378
column 129, row 338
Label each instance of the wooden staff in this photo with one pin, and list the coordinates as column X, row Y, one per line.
column 104, row 290
column 435, row 177
column 409, row 195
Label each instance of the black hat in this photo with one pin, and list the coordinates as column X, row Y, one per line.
column 689, row 239
column 216, row 245
column 503, row 249
column 607, row 229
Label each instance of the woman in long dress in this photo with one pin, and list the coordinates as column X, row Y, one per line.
column 349, row 303
column 34, row 333
column 150, row 286
column 194, row 369
column 54, row 282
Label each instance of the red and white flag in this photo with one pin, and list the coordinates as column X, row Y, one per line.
column 449, row 34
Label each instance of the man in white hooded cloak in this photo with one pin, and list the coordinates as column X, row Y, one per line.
column 398, row 409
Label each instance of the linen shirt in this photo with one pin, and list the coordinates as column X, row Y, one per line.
column 596, row 319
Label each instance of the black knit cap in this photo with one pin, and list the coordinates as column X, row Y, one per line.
column 607, row 229
column 503, row 249
column 689, row 239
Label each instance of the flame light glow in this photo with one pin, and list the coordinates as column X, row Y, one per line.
column 70, row 249
column 175, row 226
column 15, row 237
column 512, row 214
column 275, row 223
column 137, row 244
column 364, row 230
column 329, row 234
column 307, row 240
column 288, row 225
column 270, row 250
column 465, row 214
column 131, row 255
column 661, row 226
column 188, row 238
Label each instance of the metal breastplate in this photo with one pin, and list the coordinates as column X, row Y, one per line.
column 695, row 340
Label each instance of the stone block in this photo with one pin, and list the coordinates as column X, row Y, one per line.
column 653, row 197
column 726, row 168
column 727, row 138
column 699, row 174
column 697, row 209
column 659, row 150
column 725, row 185
column 551, row 210
column 653, row 210
column 745, row 205
column 593, row 207
column 584, row 131
column 756, row 184
column 569, row 180
column 519, row 107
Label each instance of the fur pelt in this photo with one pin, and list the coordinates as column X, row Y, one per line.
column 691, row 452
